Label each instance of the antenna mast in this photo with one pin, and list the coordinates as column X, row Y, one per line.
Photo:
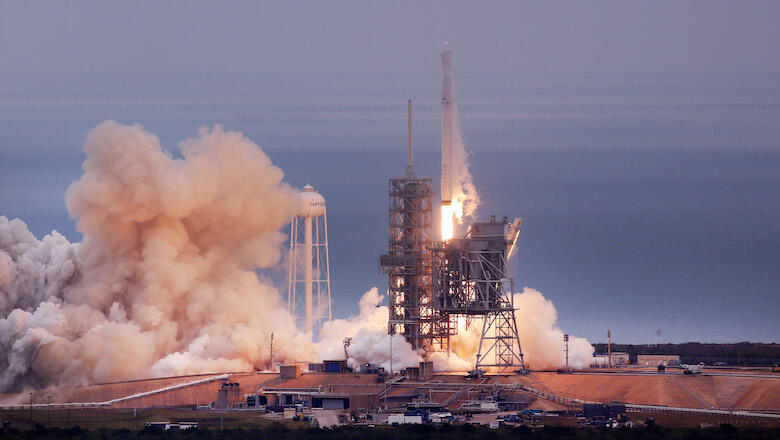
column 410, row 165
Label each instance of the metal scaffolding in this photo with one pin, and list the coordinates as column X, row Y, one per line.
column 408, row 263
column 432, row 283
column 471, row 280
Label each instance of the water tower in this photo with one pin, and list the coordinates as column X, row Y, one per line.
column 309, row 283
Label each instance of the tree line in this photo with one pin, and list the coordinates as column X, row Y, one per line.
column 740, row 353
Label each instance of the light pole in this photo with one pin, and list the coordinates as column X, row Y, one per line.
column 392, row 332
column 31, row 419
column 279, row 389
column 48, row 411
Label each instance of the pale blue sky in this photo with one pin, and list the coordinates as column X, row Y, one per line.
column 357, row 37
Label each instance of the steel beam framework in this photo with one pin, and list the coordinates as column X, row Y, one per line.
column 408, row 263
column 471, row 280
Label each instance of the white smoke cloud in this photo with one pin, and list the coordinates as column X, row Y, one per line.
column 370, row 342
column 164, row 279
column 465, row 198
column 540, row 337
column 32, row 271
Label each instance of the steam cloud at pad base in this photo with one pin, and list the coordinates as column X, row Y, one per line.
column 166, row 282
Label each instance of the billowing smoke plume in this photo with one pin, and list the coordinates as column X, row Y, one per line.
column 370, row 342
column 163, row 282
column 465, row 199
column 541, row 339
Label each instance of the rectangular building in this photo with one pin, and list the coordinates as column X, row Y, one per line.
column 289, row 371
column 654, row 360
column 619, row 358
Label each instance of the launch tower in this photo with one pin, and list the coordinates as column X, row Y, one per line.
column 435, row 283
column 408, row 261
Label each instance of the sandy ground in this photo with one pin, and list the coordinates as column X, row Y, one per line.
column 717, row 391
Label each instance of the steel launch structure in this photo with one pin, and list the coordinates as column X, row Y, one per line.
column 433, row 284
column 472, row 281
column 408, row 261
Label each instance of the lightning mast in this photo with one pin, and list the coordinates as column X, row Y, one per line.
column 408, row 259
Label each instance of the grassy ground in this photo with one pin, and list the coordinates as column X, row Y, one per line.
column 673, row 420
column 276, row 431
column 91, row 418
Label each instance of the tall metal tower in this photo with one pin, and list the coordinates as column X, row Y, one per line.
column 471, row 280
column 408, row 261
column 309, row 270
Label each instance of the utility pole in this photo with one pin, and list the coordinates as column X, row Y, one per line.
column 31, row 418
column 566, row 350
column 48, row 411
column 279, row 390
column 272, row 350
column 386, row 393
column 609, row 348
column 391, row 349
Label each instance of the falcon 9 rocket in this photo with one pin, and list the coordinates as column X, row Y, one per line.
column 448, row 133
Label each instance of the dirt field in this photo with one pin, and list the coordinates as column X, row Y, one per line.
column 727, row 392
column 699, row 391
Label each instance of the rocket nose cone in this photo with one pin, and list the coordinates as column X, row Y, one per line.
column 446, row 47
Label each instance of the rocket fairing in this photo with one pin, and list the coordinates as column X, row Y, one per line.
column 448, row 124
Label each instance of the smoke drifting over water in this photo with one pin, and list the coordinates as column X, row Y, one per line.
column 164, row 281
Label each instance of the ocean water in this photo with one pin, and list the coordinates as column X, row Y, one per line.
column 648, row 202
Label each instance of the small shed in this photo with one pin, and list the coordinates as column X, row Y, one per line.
column 290, row 371
column 335, row 366
column 344, row 401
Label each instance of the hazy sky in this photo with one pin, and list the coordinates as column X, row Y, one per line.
column 640, row 141
column 175, row 37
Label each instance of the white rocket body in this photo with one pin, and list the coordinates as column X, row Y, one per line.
column 448, row 124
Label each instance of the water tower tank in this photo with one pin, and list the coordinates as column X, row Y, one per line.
column 312, row 203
